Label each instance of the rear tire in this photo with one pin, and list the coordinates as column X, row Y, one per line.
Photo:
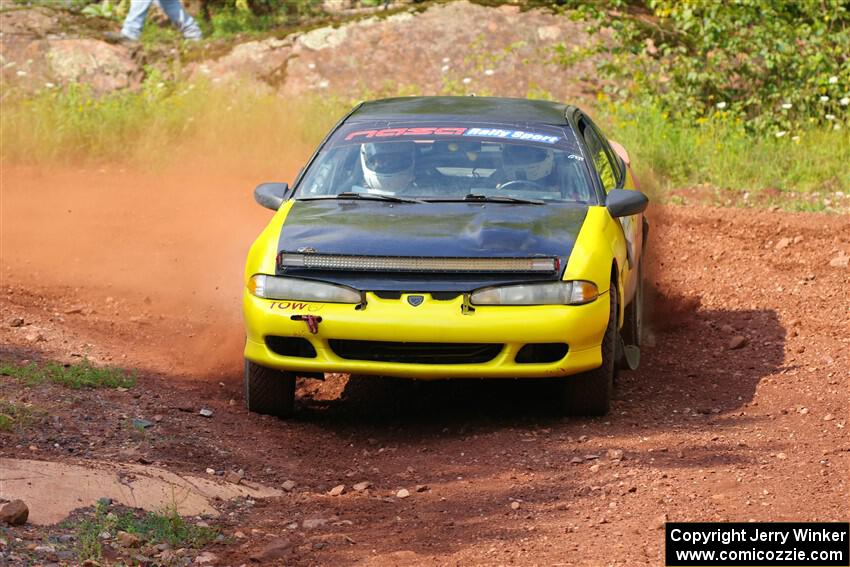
column 270, row 392
column 589, row 393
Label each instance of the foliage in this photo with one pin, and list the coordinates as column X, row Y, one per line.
column 74, row 376
column 107, row 9
column 778, row 65
column 16, row 416
column 166, row 527
column 719, row 151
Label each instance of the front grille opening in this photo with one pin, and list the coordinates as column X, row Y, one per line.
column 541, row 352
column 444, row 295
column 415, row 353
column 437, row 295
column 291, row 346
column 388, row 294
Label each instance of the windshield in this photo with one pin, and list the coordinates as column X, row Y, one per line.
column 455, row 161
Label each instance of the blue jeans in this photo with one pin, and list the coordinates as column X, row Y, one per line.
column 135, row 20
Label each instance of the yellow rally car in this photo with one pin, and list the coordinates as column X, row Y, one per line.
column 447, row 237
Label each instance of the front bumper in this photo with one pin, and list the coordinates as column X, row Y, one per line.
column 396, row 321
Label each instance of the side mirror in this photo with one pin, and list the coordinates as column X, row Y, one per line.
column 271, row 195
column 624, row 203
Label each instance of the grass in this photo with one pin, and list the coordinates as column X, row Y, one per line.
column 74, row 376
column 166, row 122
column 720, row 153
column 16, row 416
column 166, row 527
column 162, row 123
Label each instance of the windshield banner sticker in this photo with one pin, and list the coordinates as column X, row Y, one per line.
column 511, row 134
column 394, row 132
column 454, row 131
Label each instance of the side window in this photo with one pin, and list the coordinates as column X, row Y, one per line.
column 600, row 157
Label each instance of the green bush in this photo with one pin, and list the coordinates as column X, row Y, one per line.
column 781, row 66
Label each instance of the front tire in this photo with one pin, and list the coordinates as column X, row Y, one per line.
column 589, row 393
column 268, row 391
column 633, row 319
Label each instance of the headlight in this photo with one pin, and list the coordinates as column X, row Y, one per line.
column 270, row 287
column 560, row 293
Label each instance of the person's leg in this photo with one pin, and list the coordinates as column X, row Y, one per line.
column 187, row 24
column 135, row 20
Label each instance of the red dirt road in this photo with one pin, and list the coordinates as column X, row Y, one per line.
column 700, row 432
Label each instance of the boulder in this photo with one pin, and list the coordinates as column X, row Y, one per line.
column 14, row 513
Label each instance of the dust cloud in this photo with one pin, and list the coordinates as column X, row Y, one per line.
column 152, row 257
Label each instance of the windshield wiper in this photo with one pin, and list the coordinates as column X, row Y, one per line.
column 363, row 197
column 472, row 197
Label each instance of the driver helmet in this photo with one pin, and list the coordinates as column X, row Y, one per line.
column 388, row 166
column 529, row 163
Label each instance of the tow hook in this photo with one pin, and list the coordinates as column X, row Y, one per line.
column 311, row 320
column 466, row 308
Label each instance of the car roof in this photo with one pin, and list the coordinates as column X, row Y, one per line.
column 483, row 108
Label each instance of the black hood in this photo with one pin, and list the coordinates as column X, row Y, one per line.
column 373, row 228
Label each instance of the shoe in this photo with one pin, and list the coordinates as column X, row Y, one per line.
column 118, row 37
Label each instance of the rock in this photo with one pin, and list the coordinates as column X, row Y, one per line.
column 289, row 485
column 96, row 63
column 514, row 505
column 255, row 61
column 321, row 59
column 73, row 310
column 206, row 412
column 828, row 417
column 615, row 454
column 595, row 468
column 206, row 558
column 128, row 539
column 17, row 322
column 576, row 460
column 14, row 513
column 44, row 549
column 781, row 456
column 337, row 490
column 361, row 486
column 728, row 329
column 210, row 471
column 104, row 501
column 313, row 523
column 104, row 535
column 840, row 261
column 422, row 488
column 402, row 493
column 738, row 341
column 35, row 336
column 278, row 548
column 233, row 477
column 141, row 423
column 783, row 243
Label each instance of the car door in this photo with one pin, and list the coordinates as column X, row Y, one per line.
column 612, row 174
